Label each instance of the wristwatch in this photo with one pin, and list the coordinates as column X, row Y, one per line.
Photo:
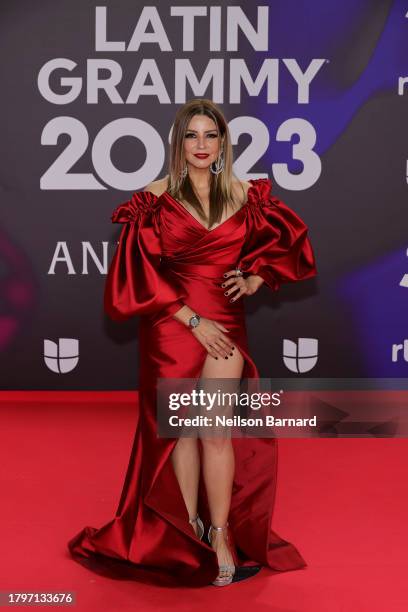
column 194, row 321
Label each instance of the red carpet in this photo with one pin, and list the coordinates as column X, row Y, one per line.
column 343, row 503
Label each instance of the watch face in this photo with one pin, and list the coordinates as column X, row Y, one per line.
column 194, row 321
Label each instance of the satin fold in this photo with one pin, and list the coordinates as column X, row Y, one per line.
column 133, row 285
column 277, row 246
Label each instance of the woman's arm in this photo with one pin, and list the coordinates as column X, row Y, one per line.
column 184, row 314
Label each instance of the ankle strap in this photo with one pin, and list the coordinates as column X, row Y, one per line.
column 220, row 528
column 193, row 520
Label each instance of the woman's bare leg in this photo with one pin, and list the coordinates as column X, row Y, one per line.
column 186, row 463
column 218, row 459
column 218, row 462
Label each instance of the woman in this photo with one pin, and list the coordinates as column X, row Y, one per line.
column 192, row 245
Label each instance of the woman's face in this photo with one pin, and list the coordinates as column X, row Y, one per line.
column 201, row 138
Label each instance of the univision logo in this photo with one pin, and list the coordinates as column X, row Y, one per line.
column 62, row 357
column 300, row 356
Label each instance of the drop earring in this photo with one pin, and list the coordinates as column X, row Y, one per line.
column 183, row 173
column 219, row 164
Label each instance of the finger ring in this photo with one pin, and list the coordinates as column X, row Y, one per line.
column 238, row 272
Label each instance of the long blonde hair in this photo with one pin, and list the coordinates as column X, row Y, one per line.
column 221, row 194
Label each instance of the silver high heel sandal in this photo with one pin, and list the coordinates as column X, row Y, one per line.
column 226, row 571
column 200, row 526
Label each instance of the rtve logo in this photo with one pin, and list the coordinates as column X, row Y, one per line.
column 400, row 348
column 300, row 357
column 62, row 357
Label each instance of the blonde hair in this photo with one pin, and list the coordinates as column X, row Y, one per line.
column 221, row 194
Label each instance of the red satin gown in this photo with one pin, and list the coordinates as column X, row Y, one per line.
column 166, row 258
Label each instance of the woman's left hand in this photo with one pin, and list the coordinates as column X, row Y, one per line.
column 244, row 286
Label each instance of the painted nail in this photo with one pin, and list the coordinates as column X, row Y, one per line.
column 225, row 292
column 226, row 357
column 216, row 357
column 225, row 275
column 232, row 299
column 231, row 354
column 223, row 285
column 233, row 348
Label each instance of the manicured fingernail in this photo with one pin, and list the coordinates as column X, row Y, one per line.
column 216, row 357
column 225, row 275
column 231, row 354
column 233, row 348
column 232, row 299
column 225, row 292
column 223, row 285
column 226, row 357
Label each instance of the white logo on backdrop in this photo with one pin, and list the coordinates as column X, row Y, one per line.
column 229, row 79
column 63, row 257
column 404, row 280
column 302, row 356
column 62, row 357
column 400, row 350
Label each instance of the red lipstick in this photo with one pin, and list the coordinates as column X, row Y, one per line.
column 201, row 155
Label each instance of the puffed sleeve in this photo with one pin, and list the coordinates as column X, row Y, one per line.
column 277, row 247
column 134, row 284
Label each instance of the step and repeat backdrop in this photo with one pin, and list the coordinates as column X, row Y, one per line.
column 315, row 96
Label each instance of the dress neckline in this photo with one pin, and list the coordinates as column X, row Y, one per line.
column 206, row 229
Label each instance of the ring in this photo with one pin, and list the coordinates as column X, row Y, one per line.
column 238, row 272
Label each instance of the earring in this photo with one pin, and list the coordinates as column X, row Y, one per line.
column 183, row 173
column 219, row 164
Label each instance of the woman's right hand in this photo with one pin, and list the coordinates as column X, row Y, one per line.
column 211, row 335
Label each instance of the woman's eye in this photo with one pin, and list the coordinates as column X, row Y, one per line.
column 191, row 135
